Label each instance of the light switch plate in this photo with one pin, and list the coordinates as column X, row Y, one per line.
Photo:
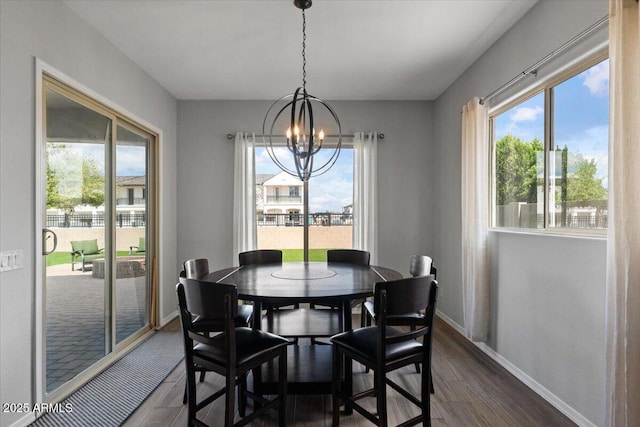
column 11, row 260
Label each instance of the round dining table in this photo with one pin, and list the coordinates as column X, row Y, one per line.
column 321, row 284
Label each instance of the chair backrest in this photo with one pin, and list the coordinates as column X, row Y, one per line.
column 196, row 268
column 422, row 265
column 88, row 247
column 261, row 256
column 393, row 300
column 403, row 296
column 351, row 256
column 216, row 302
column 142, row 244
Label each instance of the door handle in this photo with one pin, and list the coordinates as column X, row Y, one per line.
column 45, row 237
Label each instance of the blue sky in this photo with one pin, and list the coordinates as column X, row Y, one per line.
column 581, row 116
column 328, row 192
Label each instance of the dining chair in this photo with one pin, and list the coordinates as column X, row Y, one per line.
column 264, row 256
column 232, row 353
column 260, row 256
column 349, row 256
column 197, row 268
column 352, row 256
column 419, row 265
column 387, row 346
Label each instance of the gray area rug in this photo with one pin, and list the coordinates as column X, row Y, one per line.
column 112, row 396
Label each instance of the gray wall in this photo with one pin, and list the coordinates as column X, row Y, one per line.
column 547, row 291
column 55, row 34
column 205, row 174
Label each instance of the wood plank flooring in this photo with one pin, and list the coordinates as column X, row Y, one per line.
column 470, row 390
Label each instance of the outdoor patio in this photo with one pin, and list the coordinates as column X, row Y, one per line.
column 75, row 336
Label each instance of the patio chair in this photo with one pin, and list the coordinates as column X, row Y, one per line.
column 85, row 251
column 141, row 248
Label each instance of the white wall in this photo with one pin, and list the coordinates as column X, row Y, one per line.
column 205, row 174
column 547, row 292
column 52, row 32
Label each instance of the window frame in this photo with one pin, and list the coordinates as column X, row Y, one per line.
column 546, row 88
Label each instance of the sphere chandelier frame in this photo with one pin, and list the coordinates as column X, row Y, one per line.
column 302, row 141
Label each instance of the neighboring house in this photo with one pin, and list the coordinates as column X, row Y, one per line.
column 282, row 193
column 131, row 193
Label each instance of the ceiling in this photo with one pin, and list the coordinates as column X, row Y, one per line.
column 356, row 49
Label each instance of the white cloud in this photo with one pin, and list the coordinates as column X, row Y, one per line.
column 596, row 79
column 526, row 114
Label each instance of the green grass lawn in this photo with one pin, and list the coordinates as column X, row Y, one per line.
column 293, row 255
column 57, row 258
column 288, row 255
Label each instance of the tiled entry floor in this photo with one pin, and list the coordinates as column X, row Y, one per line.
column 75, row 319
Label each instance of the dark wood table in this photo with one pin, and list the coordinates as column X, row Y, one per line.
column 336, row 284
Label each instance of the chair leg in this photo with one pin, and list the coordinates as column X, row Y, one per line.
column 202, row 376
column 431, row 389
column 381, row 397
column 417, row 368
column 282, row 387
column 230, row 404
column 425, row 397
column 242, row 396
column 335, row 386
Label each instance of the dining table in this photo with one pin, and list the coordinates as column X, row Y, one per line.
column 329, row 287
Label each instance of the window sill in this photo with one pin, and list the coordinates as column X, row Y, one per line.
column 600, row 235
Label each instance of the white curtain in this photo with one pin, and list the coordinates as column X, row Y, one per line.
column 623, row 240
column 244, row 195
column 365, row 190
column 475, row 218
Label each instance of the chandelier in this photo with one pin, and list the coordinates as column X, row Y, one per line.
column 303, row 144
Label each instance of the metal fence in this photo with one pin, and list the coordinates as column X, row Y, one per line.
column 296, row 219
column 95, row 220
column 525, row 215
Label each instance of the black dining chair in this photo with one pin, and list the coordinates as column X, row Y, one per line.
column 260, row 257
column 349, row 256
column 232, row 353
column 419, row 265
column 389, row 345
column 196, row 269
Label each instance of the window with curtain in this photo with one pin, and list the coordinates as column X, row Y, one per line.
column 550, row 154
column 279, row 206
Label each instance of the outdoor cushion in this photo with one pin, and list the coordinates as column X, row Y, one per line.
column 87, row 247
column 142, row 245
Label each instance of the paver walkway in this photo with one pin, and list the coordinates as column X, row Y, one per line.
column 75, row 337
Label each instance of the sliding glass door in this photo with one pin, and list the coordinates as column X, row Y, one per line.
column 97, row 236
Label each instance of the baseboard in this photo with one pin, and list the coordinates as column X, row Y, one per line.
column 25, row 420
column 538, row 388
column 168, row 319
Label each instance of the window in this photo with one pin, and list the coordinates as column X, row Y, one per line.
column 280, row 219
column 550, row 154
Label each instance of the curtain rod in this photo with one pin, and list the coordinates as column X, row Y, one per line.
column 232, row 136
column 534, row 68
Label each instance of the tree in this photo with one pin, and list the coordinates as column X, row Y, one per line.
column 516, row 170
column 69, row 185
column 583, row 185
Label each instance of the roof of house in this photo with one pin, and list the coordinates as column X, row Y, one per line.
column 131, row 181
column 283, row 178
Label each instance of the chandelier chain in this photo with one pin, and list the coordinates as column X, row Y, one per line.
column 304, row 57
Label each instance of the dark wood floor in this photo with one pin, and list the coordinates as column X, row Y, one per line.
column 470, row 390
